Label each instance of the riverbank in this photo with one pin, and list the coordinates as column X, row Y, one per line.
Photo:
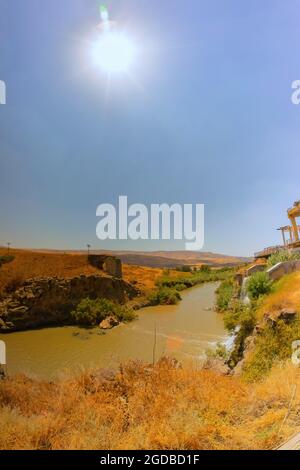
column 184, row 331
column 265, row 325
column 29, row 301
column 144, row 407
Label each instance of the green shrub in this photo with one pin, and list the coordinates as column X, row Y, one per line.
column 281, row 256
column 91, row 312
column 221, row 352
column 184, row 269
column 204, row 269
column 273, row 344
column 258, row 284
column 164, row 296
column 6, row 259
column 243, row 321
column 224, row 295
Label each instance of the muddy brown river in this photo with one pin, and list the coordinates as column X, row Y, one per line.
column 183, row 331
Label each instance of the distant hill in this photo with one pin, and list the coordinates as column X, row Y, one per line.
column 175, row 259
column 160, row 259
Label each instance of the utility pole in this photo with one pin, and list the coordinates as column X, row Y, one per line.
column 8, row 247
column 88, row 249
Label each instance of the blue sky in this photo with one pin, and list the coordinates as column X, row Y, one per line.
column 206, row 117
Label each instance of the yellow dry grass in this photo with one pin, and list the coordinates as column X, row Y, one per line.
column 286, row 294
column 31, row 264
column 145, row 408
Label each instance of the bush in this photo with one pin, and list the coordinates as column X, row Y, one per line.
column 6, row 259
column 204, row 269
column 258, row 284
column 185, row 269
column 91, row 312
column 273, row 344
column 243, row 321
column 224, row 295
column 281, row 256
column 164, row 296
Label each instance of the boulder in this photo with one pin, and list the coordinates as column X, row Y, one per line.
column 109, row 322
column 217, row 365
column 287, row 314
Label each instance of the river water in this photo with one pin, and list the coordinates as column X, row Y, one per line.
column 183, row 331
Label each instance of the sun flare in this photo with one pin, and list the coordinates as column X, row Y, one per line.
column 114, row 52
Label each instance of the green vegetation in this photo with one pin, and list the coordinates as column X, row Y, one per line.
column 281, row 256
column 164, row 296
column 168, row 286
column 221, row 352
column 258, row 284
column 273, row 344
column 273, row 341
column 197, row 277
column 6, row 259
column 91, row 312
column 242, row 320
column 224, row 295
column 184, row 269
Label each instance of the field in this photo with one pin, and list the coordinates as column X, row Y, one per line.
column 142, row 407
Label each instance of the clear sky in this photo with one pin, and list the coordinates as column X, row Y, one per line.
column 205, row 117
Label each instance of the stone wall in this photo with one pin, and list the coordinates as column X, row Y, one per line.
column 281, row 269
column 109, row 264
column 49, row 301
column 256, row 268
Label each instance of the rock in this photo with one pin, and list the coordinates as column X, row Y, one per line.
column 109, row 322
column 50, row 301
column 216, row 365
column 239, row 368
column 287, row 314
column 104, row 375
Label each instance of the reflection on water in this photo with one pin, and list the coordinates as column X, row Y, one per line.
column 184, row 331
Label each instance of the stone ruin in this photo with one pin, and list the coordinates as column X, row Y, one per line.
column 109, row 264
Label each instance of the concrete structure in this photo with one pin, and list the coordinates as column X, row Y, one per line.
column 293, row 214
column 255, row 268
column 109, row 264
column 281, row 269
column 290, row 234
column 267, row 252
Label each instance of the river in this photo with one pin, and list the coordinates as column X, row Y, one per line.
column 183, row 331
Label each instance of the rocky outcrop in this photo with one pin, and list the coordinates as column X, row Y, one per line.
column 109, row 323
column 49, row 301
column 217, row 365
column 109, row 264
column 287, row 315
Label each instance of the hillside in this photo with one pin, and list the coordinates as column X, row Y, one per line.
column 29, row 264
column 174, row 259
column 166, row 259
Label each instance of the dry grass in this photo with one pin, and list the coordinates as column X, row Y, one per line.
column 286, row 295
column 31, row 264
column 145, row 408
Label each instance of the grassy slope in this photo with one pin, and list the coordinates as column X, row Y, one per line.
column 286, row 294
column 164, row 408
column 29, row 264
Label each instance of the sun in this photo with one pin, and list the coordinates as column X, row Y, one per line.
column 114, row 52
